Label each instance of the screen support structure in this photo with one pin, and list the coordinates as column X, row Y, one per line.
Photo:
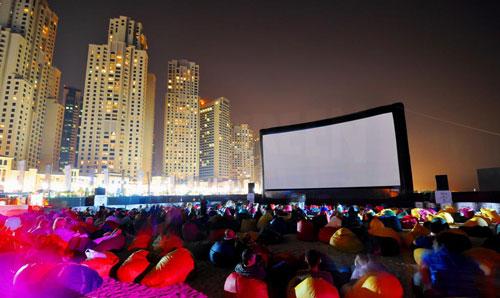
column 398, row 112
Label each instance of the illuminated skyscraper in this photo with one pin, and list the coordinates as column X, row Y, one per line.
column 27, row 77
column 215, row 139
column 182, row 125
column 149, row 122
column 114, row 104
column 242, row 153
column 72, row 101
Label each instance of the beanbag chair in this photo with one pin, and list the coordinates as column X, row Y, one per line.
column 476, row 221
column 345, row 240
column 29, row 277
column 172, row 268
column 420, row 253
column 101, row 263
column 491, row 214
column 326, row 233
column 408, row 222
column 477, row 231
column 115, row 241
column 457, row 239
column 267, row 236
column 278, row 225
column 222, row 253
column 334, row 222
column 375, row 285
column 447, row 217
column 306, row 231
column 417, row 231
column 217, row 235
column 133, row 266
column 391, row 222
column 264, row 220
column 142, row 240
column 163, row 244
column 387, row 212
column 467, row 212
column 487, row 259
column 74, row 277
column 449, row 209
column 248, row 225
column 239, row 286
column 377, row 228
column 315, row 288
column 190, row 231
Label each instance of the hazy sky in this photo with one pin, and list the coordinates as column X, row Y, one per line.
column 284, row 62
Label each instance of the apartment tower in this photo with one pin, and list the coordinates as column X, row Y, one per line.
column 114, row 102
column 242, row 152
column 72, row 101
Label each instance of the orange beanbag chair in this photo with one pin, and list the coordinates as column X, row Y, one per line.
column 346, row 241
column 326, row 233
column 492, row 214
column 306, row 231
column 133, row 266
column 417, row 231
column 375, row 285
column 171, row 269
column 377, row 228
column 315, row 288
column 487, row 259
column 239, row 286
column 141, row 240
column 102, row 265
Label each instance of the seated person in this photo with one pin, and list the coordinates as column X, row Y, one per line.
column 365, row 263
column 313, row 260
column 446, row 272
column 251, row 265
column 437, row 226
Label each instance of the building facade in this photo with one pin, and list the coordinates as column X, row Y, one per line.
column 72, row 101
column 149, row 122
column 51, row 143
column 242, row 153
column 114, row 103
column 215, row 139
column 182, row 123
column 27, row 77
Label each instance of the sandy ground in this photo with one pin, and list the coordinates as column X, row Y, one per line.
column 210, row 279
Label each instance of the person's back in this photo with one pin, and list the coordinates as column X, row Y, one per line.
column 313, row 259
column 250, row 265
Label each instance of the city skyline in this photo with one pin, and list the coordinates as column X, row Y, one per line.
column 439, row 59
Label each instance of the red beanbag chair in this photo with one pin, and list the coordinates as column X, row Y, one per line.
column 306, row 231
column 133, row 266
column 171, row 269
column 316, row 288
column 165, row 243
column 468, row 212
column 408, row 222
column 237, row 285
column 102, row 265
column 190, row 231
column 326, row 233
column 141, row 240
column 30, row 276
column 217, row 235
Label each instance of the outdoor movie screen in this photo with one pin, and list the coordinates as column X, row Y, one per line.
column 351, row 154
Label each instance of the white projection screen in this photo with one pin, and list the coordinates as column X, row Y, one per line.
column 351, row 154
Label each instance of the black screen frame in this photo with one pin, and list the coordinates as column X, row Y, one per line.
column 398, row 113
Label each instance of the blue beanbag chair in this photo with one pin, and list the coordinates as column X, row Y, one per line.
column 278, row 225
column 391, row 222
column 222, row 253
column 75, row 278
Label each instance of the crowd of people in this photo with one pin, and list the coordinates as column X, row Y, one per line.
column 48, row 252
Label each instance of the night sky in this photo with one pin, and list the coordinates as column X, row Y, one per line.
column 284, row 62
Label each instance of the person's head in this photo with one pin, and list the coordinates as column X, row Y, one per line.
column 313, row 258
column 229, row 234
column 248, row 258
column 437, row 225
column 59, row 223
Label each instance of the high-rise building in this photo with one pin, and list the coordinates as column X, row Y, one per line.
column 215, row 139
column 242, row 153
column 149, row 122
column 51, row 143
column 182, row 124
column 72, row 101
column 27, row 77
column 114, row 103
column 257, row 175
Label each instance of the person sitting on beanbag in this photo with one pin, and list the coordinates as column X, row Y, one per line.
column 251, row 265
column 437, row 226
column 365, row 263
column 313, row 260
column 446, row 272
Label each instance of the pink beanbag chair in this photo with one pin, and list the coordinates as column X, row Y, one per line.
column 306, row 231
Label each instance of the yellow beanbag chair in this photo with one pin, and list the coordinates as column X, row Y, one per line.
column 264, row 221
column 377, row 228
column 375, row 285
column 491, row 214
column 417, row 231
column 449, row 209
column 488, row 259
column 420, row 253
column 415, row 212
column 446, row 216
column 315, row 288
column 476, row 221
column 345, row 240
